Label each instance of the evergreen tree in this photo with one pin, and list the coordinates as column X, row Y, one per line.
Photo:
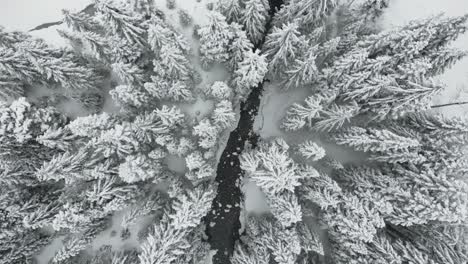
column 251, row 71
column 207, row 133
column 214, row 41
column 129, row 27
column 223, row 115
column 254, row 19
column 231, row 9
column 307, row 14
column 240, row 45
column 282, row 46
column 363, row 74
column 34, row 62
column 303, row 72
column 219, row 91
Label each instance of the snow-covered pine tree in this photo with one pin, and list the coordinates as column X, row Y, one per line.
column 215, row 39
column 282, row 46
column 176, row 238
column 239, row 46
column 303, row 71
column 254, row 19
column 307, row 14
column 379, row 93
column 231, row 9
column 250, row 72
column 130, row 27
column 207, row 133
column 418, row 157
column 34, row 62
column 265, row 239
column 172, row 63
column 224, row 115
column 219, row 91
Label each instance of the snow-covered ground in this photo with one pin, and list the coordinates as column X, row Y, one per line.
column 26, row 14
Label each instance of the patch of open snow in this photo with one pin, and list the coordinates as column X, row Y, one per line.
column 51, row 35
column 24, row 15
column 175, row 164
column 255, row 200
column 273, row 107
column 47, row 253
column 198, row 109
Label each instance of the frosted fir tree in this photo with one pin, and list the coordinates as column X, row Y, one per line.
column 429, row 159
column 172, row 63
column 130, row 97
column 307, row 14
column 9, row 38
column 384, row 94
column 81, row 21
column 214, row 41
column 373, row 140
column 282, row 46
column 141, row 209
column 158, row 35
column 178, row 232
column 271, row 168
column 129, row 26
column 207, row 133
column 254, row 18
column 219, row 91
column 351, row 224
column 195, row 160
column 239, row 46
column 310, row 150
column 251, row 71
column 35, row 63
column 141, row 167
column 286, row 208
column 92, row 125
column 231, row 9
column 224, row 115
column 304, row 71
column 191, row 207
column 163, row 89
column 24, row 121
column 145, row 7
column 180, row 146
column 129, row 74
column 265, row 239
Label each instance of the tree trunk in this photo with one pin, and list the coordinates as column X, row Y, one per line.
column 450, row 104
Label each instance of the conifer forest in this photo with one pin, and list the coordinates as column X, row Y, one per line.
column 147, row 136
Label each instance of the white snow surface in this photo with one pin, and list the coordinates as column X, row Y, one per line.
column 26, row 14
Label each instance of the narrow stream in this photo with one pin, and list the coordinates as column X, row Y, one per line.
column 223, row 220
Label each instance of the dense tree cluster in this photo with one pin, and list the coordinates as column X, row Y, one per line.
column 371, row 93
column 64, row 179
